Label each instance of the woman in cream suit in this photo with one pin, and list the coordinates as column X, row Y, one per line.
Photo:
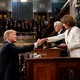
column 71, row 35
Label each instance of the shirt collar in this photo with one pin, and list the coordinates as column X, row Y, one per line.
column 60, row 31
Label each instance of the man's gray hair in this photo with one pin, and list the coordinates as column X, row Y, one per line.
column 58, row 22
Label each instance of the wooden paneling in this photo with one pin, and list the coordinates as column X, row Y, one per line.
column 52, row 69
column 41, row 70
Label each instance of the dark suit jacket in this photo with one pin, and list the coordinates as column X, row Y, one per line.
column 63, row 53
column 57, row 43
column 9, row 61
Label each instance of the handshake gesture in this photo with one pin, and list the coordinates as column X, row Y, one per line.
column 40, row 41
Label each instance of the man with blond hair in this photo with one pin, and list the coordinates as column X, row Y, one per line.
column 9, row 62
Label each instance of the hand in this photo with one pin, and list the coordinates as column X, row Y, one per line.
column 63, row 45
column 39, row 42
column 44, row 47
column 44, row 39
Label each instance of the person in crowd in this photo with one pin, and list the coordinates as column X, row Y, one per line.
column 9, row 59
column 71, row 36
column 59, row 29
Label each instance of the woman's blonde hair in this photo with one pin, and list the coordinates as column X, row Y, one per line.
column 7, row 33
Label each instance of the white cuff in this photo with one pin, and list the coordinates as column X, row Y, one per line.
column 35, row 45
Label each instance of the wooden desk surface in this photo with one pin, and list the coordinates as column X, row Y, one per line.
column 53, row 52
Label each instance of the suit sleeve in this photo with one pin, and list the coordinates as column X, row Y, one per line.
column 22, row 49
column 56, row 38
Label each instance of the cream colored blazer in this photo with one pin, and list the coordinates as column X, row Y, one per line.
column 72, row 40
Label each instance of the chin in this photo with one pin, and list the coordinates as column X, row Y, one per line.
column 66, row 28
column 14, row 41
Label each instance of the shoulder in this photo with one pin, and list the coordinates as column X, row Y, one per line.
column 6, row 44
column 75, row 28
column 63, row 30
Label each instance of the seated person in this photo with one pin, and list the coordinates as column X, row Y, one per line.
column 58, row 27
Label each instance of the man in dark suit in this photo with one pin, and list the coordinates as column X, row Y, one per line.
column 9, row 61
column 58, row 27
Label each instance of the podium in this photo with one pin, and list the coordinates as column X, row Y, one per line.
column 47, row 53
column 50, row 66
column 60, row 68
